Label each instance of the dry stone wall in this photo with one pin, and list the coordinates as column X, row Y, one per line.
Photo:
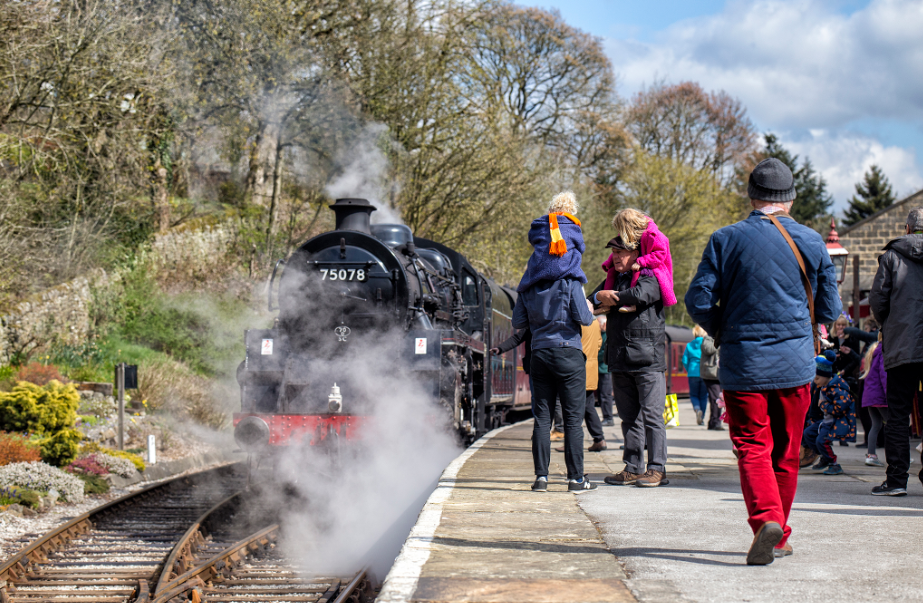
column 867, row 238
column 61, row 315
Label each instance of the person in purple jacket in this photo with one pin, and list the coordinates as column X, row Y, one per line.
column 875, row 398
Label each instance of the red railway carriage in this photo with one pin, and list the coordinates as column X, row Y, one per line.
column 677, row 379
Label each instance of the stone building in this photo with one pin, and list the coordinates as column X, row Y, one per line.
column 866, row 239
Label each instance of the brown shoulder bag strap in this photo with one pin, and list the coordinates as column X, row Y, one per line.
column 804, row 279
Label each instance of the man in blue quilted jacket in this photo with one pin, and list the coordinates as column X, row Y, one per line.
column 749, row 295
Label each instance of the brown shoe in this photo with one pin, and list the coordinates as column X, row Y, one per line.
column 782, row 551
column 764, row 542
column 559, row 449
column 598, row 446
column 556, row 436
column 652, row 479
column 623, row 478
column 807, row 457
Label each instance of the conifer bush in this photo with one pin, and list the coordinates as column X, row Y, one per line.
column 49, row 412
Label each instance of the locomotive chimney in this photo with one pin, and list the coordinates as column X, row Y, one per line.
column 353, row 214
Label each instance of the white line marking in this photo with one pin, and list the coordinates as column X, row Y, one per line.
column 401, row 581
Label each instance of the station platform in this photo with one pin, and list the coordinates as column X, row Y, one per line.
column 485, row 537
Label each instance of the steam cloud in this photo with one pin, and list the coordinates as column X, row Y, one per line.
column 365, row 173
column 360, row 504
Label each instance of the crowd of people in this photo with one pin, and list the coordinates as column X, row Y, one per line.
column 761, row 358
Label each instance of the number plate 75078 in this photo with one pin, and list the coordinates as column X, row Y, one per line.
column 342, row 274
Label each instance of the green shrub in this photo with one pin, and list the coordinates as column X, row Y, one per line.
column 39, row 409
column 29, row 498
column 93, row 484
column 14, row 495
column 49, row 412
column 60, row 448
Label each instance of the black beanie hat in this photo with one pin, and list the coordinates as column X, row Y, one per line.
column 772, row 181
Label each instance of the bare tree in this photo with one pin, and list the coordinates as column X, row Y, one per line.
column 707, row 131
column 77, row 83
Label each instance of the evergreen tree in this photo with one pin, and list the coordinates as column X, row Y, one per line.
column 812, row 202
column 873, row 194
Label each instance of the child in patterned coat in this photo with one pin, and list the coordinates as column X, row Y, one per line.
column 637, row 229
column 839, row 417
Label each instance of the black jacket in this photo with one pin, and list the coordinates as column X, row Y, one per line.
column 518, row 336
column 636, row 340
column 896, row 300
column 846, row 364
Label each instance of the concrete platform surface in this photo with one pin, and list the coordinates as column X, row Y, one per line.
column 485, row 537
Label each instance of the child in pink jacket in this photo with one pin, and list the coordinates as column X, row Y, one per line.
column 636, row 228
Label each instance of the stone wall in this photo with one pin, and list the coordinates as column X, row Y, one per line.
column 61, row 315
column 867, row 238
column 191, row 250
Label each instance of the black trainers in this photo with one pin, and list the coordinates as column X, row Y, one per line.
column 885, row 490
column 540, row 485
column 582, row 486
column 821, row 465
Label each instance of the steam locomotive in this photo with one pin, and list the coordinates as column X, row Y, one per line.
column 375, row 293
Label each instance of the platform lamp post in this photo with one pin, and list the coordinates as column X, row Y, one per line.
column 838, row 255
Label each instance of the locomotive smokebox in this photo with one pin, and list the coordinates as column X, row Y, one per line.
column 353, row 214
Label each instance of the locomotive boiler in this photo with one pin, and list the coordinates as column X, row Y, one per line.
column 366, row 293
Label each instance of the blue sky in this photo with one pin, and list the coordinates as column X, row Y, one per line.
column 839, row 81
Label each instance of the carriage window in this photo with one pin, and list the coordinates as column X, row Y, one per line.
column 469, row 290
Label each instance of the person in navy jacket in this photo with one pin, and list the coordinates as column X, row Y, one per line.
column 749, row 295
column 552, row 306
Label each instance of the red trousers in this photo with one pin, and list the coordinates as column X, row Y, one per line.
column 766, row 428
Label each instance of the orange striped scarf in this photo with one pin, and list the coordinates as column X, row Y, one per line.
column 558, row 246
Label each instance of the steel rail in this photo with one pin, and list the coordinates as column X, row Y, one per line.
column 206, row 571
column 36, row 551
column 359, row 583
column 184, row 548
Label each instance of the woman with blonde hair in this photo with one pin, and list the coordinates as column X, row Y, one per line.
column 692, row 356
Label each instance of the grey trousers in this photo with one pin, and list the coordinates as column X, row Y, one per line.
column 639, row 399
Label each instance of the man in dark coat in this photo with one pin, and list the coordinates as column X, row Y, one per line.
column 636, row 346
column 896, row 301
column 749, row 295
column 551, row 305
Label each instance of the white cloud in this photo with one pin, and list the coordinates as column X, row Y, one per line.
column 842, row 158
column 794, row 64
column 805, row 69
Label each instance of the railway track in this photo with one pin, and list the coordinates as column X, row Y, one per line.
column 114, row 553
column 214, row 562
column 195, row 538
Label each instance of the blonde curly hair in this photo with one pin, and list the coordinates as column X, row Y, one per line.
column 565, row 201
column 630, row 224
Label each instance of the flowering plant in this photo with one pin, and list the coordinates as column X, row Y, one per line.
column 120, row 466
column 88, row 466
column 42, row 478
